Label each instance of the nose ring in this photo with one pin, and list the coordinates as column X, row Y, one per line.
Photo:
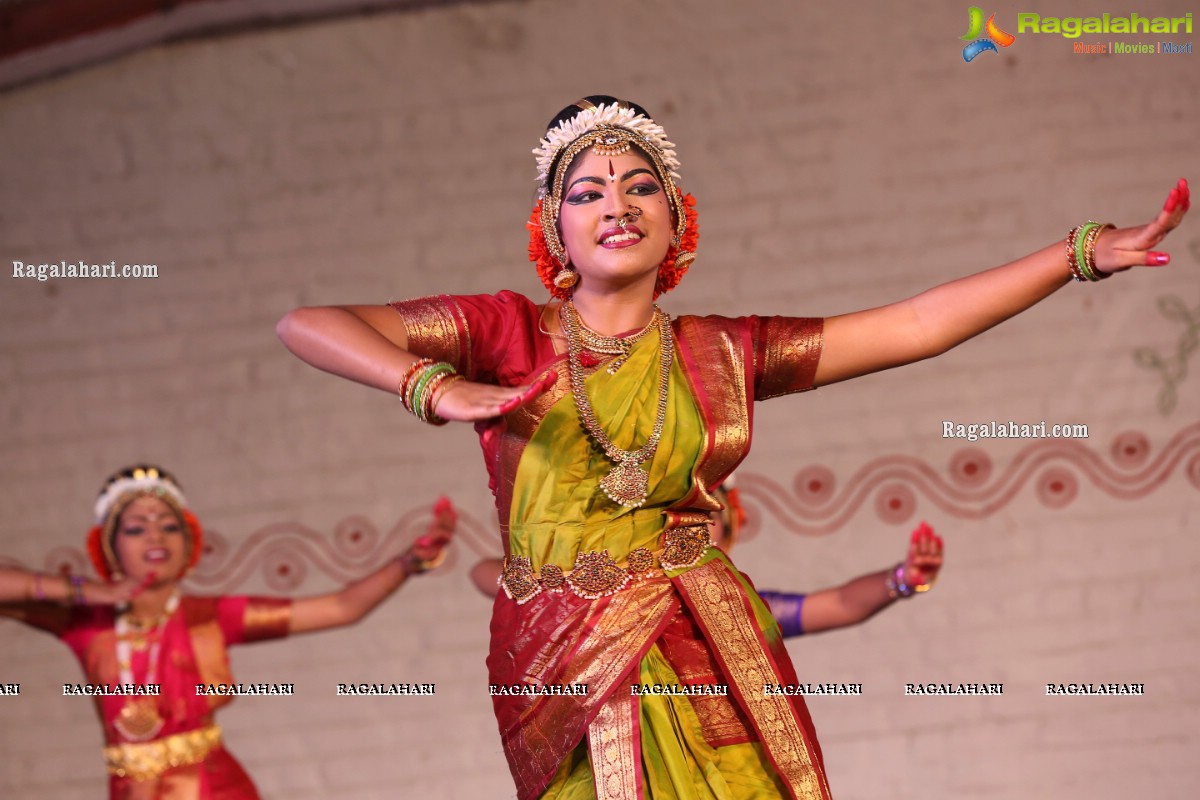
column 629, row 216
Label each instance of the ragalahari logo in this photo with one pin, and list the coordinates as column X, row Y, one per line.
column 995, row 36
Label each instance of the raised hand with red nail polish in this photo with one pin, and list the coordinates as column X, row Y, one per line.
column 941, row 318
column 1119, row 249
column 467, row 401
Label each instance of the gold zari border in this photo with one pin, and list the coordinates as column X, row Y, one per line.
column 611, row 744
column 720, row 607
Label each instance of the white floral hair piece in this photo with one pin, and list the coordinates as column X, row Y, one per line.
column 147, row 481
column 589, row 119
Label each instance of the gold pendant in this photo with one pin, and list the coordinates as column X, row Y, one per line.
column 627, row 484
column 139, row 720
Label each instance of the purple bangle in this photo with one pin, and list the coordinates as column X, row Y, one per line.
column 76, row 582
column 895, row 584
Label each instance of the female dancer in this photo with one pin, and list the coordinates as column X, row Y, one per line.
column 134, row 631
column 604, row 426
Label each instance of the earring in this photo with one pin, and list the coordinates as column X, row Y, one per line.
column 684, row 260
column 566, row 278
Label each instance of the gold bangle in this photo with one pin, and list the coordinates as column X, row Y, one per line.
column 1072, row 261
column 409, row 374
column 435, row 396
column 1089, row 251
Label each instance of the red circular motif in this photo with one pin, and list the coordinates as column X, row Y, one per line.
column 814, row 485
column 355, row 536
column 216, row 547
column 971, row 467
column 1130, row 448
column 283, row 571
column 895, row 503
column 1057, row 487
column 66, row 559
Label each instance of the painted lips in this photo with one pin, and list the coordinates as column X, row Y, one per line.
column 615, row 238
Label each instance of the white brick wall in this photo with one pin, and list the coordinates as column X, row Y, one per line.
column 844, row 156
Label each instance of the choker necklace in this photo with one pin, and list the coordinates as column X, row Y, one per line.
column 627, row 484
column 139, row 720
column 614, row 345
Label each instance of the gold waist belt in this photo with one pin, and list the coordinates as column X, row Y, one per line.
column 146, row 760
column 597, row 574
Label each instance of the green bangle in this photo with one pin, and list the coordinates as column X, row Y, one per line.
column 422, row 383
column 1080, row 251
column 414, row 388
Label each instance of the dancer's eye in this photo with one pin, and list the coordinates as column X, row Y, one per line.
column 644, row 189
column 582, row 197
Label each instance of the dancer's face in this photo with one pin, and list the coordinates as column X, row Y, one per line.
column 598, row 193
column 151, row 538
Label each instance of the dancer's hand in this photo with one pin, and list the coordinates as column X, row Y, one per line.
column 429, row 551
column 117, row 593
column 924, row 557
column 467, row 401
column 1118, row 250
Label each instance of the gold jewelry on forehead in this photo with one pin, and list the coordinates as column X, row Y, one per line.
column 607, row 136
column 611, row 145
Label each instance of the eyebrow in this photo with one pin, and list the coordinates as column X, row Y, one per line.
column 600, row 182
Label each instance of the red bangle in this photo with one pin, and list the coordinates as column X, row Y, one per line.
column 409, row 374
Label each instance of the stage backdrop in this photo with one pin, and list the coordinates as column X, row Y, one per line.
column 843, row 157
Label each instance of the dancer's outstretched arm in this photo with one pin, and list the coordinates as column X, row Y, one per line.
column 862, row 598
column 355, row 601
column 945, row 316
column 20, row 585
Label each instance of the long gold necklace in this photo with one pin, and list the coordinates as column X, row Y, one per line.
column 139, row 719
column 627, row 484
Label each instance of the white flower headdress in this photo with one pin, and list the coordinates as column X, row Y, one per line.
column 594, row 117
column 139, row 480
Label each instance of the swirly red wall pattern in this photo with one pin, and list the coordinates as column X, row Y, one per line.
column 970, row 486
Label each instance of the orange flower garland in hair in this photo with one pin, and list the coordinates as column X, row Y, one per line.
column 669, row 275
column 95, row 546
